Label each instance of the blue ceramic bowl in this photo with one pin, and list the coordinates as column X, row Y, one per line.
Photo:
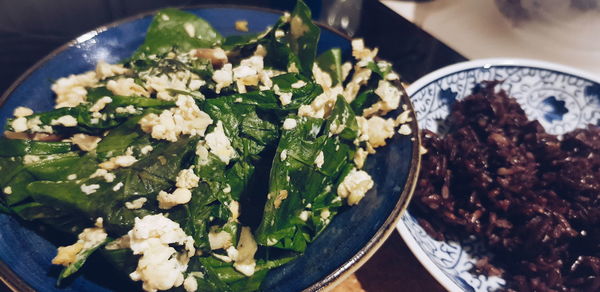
column 560, row 98
column 349, row 241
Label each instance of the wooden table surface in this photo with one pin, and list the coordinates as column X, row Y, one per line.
column 392, row 268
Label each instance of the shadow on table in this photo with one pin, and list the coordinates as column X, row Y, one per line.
column 395, row 268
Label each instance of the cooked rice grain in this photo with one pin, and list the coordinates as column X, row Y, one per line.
column 532, row 197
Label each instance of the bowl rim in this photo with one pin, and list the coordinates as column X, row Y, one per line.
column 334, row 278
column 434, row 76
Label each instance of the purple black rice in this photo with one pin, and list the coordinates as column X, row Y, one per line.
column 532, row 197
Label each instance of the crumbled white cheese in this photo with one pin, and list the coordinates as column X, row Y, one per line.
column 232, row 253
column 105, row 70
column 118, row 161
column 117, row 186
column 346, row 68
column 88, row 238
column 359, row 157
column 19, row 124
column 187, row 179
column 360, row 77
column 403, row 118
column 284, row 97
column 66, row 120
column 30, row 159
column 92, row 236
column 202, row 153
column 260, row 51
column 298, row 84
column 126, row 87
column 241, row 25
column 195, row 84
column 354, row 186
column 248, row 70
column 304, row 215
column 321, row 77
column 22, row 111
column 34, row 124
column 321, row 106
column 185, row 119
column 357, row 45
column 71, row 91
column 223, row 77
column 227, row 189
column 146, row 149
column 190, row 284
column 130, row 109
column 375, row 130
column 103, row 173
column 392, row 76
column 136, row 204
column 165, row 17
column 271, row 241
column 89, row 189
column 163, row 84
column 8, row 190
column 99, row 222
column 218, row 240
column 279, row 33
column 265, row 79
column 405, row 130
column 178, row 197
column 289, row 124
column 240, row 86
column 161, row 267
column 325, row 214
column 390, row 99
column 189, row 29
column 320, row 159
column 219, row 144
column 297, row 27
column 85, row 142
column 246, row 249
column 234, row 208
column 283, row 155
column 292, row 68
column 361, row 53
column 100, row 104
column 97, row 115
column 72, row 176
column 67, row 255
column 379, row 130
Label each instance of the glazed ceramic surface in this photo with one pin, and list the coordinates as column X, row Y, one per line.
column 349, row 240
column 561, row 98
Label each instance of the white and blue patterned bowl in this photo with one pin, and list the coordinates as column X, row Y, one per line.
column 561, row 98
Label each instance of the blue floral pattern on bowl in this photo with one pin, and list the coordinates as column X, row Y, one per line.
column 561, row 98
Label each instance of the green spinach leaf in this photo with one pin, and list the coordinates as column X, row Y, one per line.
column 172, row 28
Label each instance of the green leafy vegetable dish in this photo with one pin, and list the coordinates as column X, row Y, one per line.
column 202, row 162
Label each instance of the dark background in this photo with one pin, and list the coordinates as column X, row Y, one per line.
column 31, row 29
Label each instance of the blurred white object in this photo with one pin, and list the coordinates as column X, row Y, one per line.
column 342, row 14
column 559, row 31
column 547, row 10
